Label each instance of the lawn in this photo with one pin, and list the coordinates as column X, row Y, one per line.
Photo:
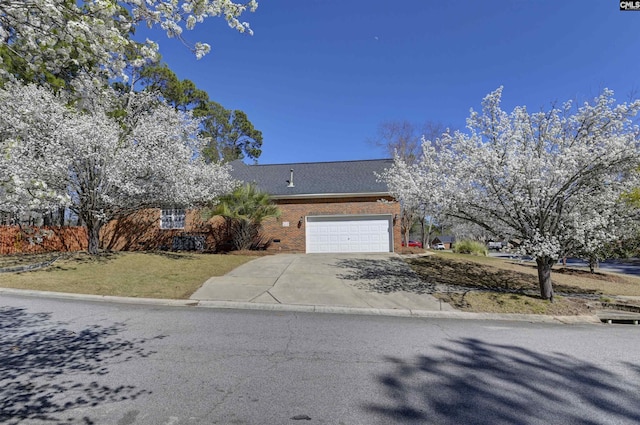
column 488, row 284
column 467, row 282
column 127, row 274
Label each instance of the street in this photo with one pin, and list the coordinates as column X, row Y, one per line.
column 629, row 266
column 77, row 362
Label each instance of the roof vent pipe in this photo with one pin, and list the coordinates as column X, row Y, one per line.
column 291, row 180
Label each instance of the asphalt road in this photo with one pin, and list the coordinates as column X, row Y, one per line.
column 631, row 266
column 73, row 362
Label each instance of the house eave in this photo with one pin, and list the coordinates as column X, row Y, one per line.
column 331, row 195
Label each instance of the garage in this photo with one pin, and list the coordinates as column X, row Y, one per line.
column 368, row 233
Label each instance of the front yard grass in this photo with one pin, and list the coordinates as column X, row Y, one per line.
column 128, row 274
column 467, row 282
column 488, row 284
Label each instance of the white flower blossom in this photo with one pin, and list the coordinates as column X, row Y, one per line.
column 99, row 166
column 551, row 180
column 54, row 33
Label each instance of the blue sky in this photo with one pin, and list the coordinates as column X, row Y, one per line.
column 319, row 76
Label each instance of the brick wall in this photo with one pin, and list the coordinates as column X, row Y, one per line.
column 292, row 238
column 141, row 231
column 33, row 240
column 136, row 232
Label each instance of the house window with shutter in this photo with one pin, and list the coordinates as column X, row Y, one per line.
column 172, row 218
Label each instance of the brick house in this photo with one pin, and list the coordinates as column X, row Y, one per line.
column 327, row 206
column 447, row 241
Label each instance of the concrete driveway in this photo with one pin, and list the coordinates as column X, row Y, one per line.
column 379, row 281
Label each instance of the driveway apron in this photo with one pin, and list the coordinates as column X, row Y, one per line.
column 380, row 281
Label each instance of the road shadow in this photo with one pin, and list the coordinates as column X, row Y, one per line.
column 474, row 382
column 47, row 369
column 384, row 276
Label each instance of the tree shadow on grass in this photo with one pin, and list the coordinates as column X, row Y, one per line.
column 456, row 274
column 47, row 368
column 474, row 382
column 171, row 255
column 70, row 261
column 384, row 276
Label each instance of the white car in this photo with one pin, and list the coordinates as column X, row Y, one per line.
column 495, row 245
column 438, row 246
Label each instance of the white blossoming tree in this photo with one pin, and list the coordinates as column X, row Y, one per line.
column 418, row 186
column 403, row 140
column 61, row 36
column 104, row 157
column 599, row 227
column 554, row 180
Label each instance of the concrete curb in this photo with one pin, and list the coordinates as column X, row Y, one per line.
column 534, row 318
column 99, row 298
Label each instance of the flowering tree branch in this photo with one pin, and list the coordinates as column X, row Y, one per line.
column 59, row 35
column 554, row 180
column 106, row 156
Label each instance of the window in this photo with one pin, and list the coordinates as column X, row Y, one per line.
column 172, row 218
column 7, row 219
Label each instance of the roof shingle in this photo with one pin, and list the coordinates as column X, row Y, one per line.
column 315, row 178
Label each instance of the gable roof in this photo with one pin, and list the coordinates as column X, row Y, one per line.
column 443, row 239
column 329, row 179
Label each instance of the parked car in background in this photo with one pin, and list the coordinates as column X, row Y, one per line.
column 415, row 244
column 438, row 246
column 495, row 245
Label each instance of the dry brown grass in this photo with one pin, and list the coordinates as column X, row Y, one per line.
column 488, row 284
column 494, row 302
column 129, row 274
column 491, row 272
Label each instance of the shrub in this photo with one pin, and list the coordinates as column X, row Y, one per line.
column 244, row 210
column 470, row 247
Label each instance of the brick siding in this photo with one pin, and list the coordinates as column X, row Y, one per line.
column 34, row 240
column 141, row 230
column 292, row 238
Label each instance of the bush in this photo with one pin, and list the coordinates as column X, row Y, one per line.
column 246, row 235
column 470, row 247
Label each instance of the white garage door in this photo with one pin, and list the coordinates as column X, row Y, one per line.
column 348, row 234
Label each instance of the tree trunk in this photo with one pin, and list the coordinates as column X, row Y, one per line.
column 544, row 277
column 593, row 264
column 61, row 214
column 426, row 239
column 93, row 236
column 405, row 236
column 406, row 220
